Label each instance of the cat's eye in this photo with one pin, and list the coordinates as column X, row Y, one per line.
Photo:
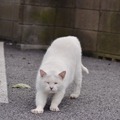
column 55, row 83
column 47, row 82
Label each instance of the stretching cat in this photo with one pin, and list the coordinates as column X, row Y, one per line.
column 61, row 66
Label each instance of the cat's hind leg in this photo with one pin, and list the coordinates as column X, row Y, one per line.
column 78, row 82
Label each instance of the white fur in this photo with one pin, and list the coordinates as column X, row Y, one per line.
column 61, row 66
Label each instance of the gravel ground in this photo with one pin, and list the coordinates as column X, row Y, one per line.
column 100, row 93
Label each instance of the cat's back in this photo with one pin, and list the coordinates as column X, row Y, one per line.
column 64, row 47
column 66, row 43
column 64, row 53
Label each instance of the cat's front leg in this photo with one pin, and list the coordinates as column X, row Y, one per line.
column 57, row 98
column 37, row 110
column 41, row 99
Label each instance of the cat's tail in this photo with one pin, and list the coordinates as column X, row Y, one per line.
column 85, row 69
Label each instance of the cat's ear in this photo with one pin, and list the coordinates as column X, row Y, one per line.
column 62, row 74
column 42, row 73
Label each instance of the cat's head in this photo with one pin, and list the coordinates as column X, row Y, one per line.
column 52, row 83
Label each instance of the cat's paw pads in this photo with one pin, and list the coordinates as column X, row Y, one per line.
column 52, row 108
column 74, row 96
column 37, row 111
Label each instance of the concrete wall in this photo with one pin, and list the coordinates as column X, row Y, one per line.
column 9, row 17
column 95, row 22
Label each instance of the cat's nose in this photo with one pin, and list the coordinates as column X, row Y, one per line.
column 51, row 88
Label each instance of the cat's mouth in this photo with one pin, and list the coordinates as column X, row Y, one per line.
column 52, row 91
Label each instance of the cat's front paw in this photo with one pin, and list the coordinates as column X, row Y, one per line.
column 54, row 108
column 74, row 96
column 37, row 110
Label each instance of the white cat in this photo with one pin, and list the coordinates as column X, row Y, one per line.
column 61, row 66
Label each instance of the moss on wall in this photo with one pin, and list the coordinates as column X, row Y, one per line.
column 108, row 43
column 44, row 16
column 33, row 34
column 115, row 22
